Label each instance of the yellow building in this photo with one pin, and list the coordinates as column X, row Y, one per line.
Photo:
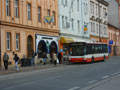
column 24, row 24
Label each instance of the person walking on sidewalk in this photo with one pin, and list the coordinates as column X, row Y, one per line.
column 33, row 58
column 60, row 57
column 54, row 58
column 44, row 58
column 5, row 60
column 16, row 59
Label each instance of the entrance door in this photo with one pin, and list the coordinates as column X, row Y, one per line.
column 53, row 47
column 29, row 46
column 42, row 48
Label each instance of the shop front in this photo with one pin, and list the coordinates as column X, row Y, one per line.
column 46, row 44
column 65, row 41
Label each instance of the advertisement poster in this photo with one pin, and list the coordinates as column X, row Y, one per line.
column 47, row 39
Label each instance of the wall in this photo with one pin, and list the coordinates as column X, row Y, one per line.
column 71, row 12
column 114, row 34
column 26, row 27
column 98, row 14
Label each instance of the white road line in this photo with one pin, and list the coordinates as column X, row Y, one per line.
column 16, row 86
column 105, row 77
column 74, row 88
column 92, row 81
column 115, row 73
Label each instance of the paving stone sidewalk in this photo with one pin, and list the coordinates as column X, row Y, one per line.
column 27, row 68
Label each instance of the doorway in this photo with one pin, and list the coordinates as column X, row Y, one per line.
column 29, row 46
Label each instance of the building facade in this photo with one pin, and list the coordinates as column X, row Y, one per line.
column 98, row 12
column 114, row 27
column 73, row 22
column 27, row 25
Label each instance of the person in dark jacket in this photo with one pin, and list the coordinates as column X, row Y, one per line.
column 33, row 58
column 5, row 60
column 16, row 59
column 60, row 57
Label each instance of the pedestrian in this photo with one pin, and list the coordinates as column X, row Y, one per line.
column 44, row 58
column 5, row 60
column 55, row 58
column 51, row 57
column 60, row 57
column 16, row 59
column 33, row 58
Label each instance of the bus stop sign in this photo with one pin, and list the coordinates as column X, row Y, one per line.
column 110, row 42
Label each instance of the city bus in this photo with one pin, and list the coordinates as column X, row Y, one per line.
column 87, row 52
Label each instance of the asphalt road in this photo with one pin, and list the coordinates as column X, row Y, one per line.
column 69, row 77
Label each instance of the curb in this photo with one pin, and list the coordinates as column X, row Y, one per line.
column 99, row 83
column 30, row 69
column 26, row 73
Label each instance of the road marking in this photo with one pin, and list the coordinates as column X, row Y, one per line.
column 115, row 73
column 74, row 88
column 16, row 86
column 105, row 77
column 92, row 81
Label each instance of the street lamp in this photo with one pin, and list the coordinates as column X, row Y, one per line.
column 99, row 18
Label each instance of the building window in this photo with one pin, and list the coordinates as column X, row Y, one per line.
column 16, row 8
column 78, row 5
column 17, row 41
column 100, row 11
column 54, row 16
column 65, row 2
column 39, row 14
column 66, row 21
column 93, row 27
column 72, row 21
column 84, row 9
column 105, row 30
column 97, row 28
column 29, row 11
column 48, row 12
column 96, row 9
column 111, row 37
column 92, row 7
column 100, row 30
column 62, row 21
column 7, row 7
column 104, row 13
column 8, row 40
column 78, row 26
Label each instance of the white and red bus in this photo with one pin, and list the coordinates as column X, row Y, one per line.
column 87, row 52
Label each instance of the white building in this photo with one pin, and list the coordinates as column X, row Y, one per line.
column 98, row 12
column 73, row 21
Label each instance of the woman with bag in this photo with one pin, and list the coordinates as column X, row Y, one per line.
column 55, row 58
column 44, row 58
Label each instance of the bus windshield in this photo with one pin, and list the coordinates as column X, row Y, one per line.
column 77, row 50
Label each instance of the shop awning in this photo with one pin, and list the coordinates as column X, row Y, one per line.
column 66, row 40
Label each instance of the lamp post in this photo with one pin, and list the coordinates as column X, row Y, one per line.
column 99, row 19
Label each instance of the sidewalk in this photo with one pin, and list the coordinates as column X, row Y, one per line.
column 112, row 83
column 27, row 68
